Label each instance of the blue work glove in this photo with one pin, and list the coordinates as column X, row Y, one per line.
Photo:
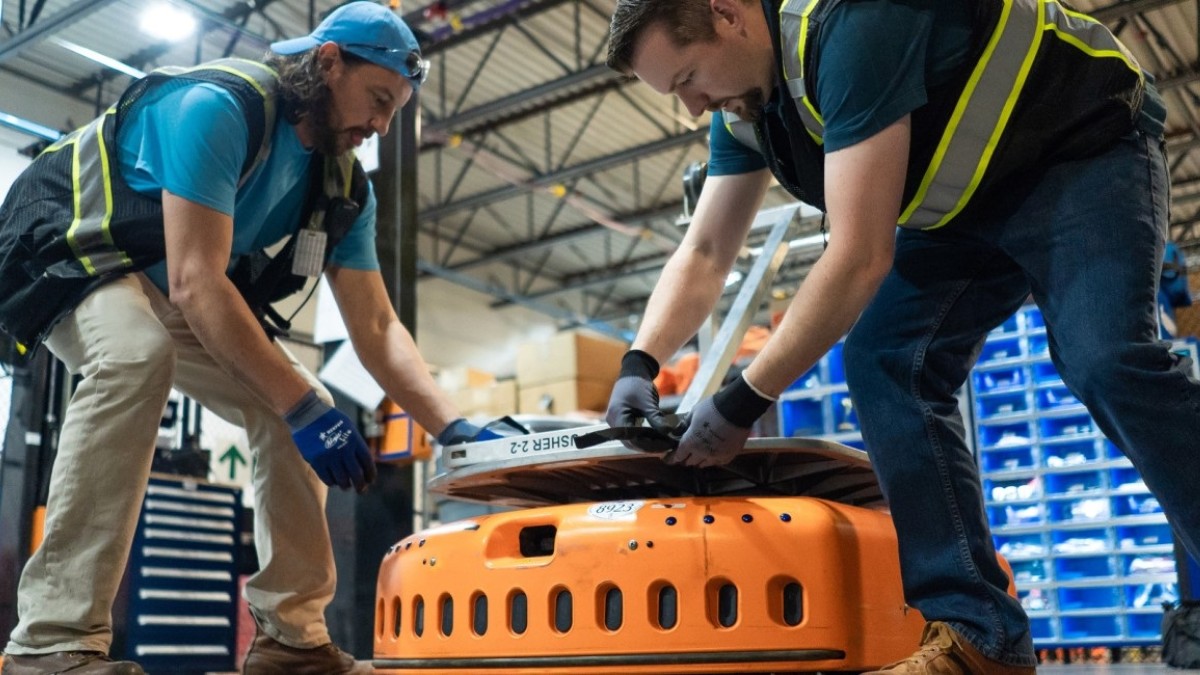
column 330, row 443
column 461, row 431
column 634, row 396
column 717, row 428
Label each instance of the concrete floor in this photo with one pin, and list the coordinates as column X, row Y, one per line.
column 1110, row 669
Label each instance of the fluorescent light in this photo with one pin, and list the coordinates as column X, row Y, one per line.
column 31, row 128
column 166, row 22
column 97, row 57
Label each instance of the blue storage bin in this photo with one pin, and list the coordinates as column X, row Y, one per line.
column 1012, row 490
column 1075, row 542
column 1076, row 482
column 1039, row 346
column 1090, row 627
column 999, row 379
column 1068, row 426
column 1089, row 567
column 1042, row 628
column 1133, row 537
column 1000, row 405
column 1001, row 350
column 1136, row 505
column 1044, row 372
column 1056, row 397
column 802, row 417
column 1126, row 479
column 1069, row 453
column 1017, row 546
column 1141, row 564
column 1016, row 515
column 1111, row 451
column 1150, row 595
column 1091, row 597
column 1028, row 571
column 1009, row 435
column 1033, row 319
column 1082, row 510
column 1145, row 626
column 1007, row 459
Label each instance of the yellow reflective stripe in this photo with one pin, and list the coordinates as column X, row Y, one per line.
column 77, row 198
column 219, row 65
column 937, row 176
column 346, row 162
column 90, row 234
column 793, row 28
column 1112, row 47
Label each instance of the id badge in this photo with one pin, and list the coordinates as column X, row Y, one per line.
column 310, row 253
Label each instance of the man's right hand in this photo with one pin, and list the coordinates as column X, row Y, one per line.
column 330, row 443
column 634, row 396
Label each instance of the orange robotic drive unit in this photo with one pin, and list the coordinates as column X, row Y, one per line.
column 674, row 585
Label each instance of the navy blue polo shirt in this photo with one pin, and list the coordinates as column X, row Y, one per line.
column 892, row 51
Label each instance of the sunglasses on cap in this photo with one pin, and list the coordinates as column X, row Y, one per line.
column 417, row 67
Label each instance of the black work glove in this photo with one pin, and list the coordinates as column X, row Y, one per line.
column 717, row 428
column 635, row 398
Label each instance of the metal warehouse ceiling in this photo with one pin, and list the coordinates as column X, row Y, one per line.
column 544, row 178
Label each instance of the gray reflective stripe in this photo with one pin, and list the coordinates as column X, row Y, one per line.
column 793, row 29
column 741, row 130
column 984, row 109
column 89, row 235
column 1089, row 35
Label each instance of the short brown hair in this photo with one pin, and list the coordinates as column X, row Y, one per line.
column 688, row 21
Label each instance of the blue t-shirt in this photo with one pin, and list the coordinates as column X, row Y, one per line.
column 891, row 53
column 190, row 138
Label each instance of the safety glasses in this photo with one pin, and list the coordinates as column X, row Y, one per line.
column 415, row 67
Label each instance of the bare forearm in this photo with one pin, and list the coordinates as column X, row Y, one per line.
column 393, row 360
column 689, row 288
column 827, row 304
column 229, row 332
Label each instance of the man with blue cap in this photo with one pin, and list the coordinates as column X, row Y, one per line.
column 134, row 249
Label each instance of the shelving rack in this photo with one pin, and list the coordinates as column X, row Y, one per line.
column 1091, row 550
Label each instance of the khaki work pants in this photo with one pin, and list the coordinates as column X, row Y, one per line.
column 130, row 345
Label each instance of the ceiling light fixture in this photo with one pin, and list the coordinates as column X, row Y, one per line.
column 166, row 22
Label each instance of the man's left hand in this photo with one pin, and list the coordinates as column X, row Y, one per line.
column 717, row 428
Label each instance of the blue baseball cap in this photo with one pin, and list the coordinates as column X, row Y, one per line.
column 370, row 31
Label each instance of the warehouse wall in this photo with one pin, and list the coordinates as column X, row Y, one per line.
column 458, row 327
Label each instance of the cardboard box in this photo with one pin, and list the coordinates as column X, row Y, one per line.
column 461, row 377
column 403, row 440
column 570, row 355
column 496, row 400
column 565, row 396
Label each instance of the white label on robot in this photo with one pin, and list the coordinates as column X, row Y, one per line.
column 526, row 445
column 616, row 510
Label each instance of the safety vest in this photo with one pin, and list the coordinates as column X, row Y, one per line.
column 1042, row 83
column 70, row 222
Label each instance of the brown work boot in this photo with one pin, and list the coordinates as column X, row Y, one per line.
column 68, row 663
column 944, row 652
column 271, row 657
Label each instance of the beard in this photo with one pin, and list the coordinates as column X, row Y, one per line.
column 328, row 139
column 750, row 105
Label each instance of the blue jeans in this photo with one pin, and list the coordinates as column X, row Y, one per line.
column 1087, row 243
